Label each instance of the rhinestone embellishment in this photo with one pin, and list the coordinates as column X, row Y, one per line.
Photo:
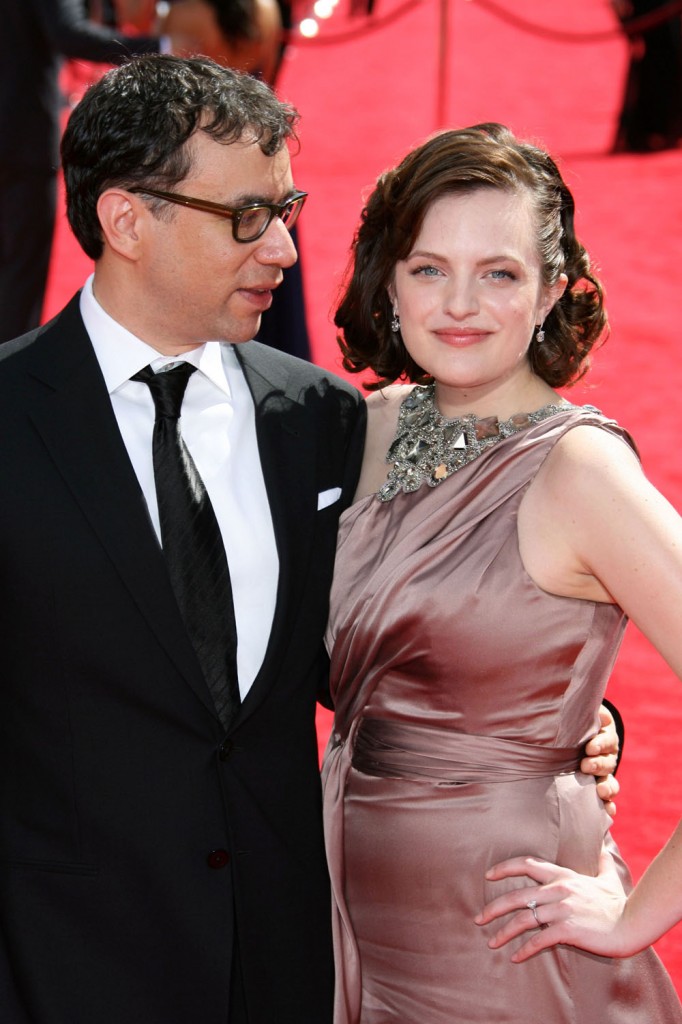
column 429, row 448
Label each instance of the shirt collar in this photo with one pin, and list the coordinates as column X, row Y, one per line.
column 121, row 354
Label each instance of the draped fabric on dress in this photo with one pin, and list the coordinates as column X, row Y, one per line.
column 463, row 695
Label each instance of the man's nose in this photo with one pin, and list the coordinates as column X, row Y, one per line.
column 277, row 245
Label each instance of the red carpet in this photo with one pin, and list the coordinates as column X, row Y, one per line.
column 364, row 102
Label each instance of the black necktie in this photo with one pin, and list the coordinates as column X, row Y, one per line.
column 192, row 544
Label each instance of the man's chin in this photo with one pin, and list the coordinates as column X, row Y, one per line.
column 237, row 333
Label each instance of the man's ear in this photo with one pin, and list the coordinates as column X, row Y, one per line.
column 120, row 216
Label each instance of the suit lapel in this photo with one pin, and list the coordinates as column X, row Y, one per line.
column 287, row 451
column 72, row 412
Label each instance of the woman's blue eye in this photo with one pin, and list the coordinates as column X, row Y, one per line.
column 427, row 271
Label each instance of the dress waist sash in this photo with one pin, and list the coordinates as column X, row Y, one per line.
column 389, row 749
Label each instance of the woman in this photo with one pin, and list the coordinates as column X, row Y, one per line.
column 500, row 535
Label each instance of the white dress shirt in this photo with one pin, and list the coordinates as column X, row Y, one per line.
column 218, row 426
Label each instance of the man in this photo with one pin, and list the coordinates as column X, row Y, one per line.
column 36, row 35
column 160, row 863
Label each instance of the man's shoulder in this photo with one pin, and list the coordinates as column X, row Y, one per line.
column 271, row 362
column 14, row 354
column 68, row 316
column 46, row 346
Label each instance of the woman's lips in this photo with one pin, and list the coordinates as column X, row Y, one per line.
column 461, row 336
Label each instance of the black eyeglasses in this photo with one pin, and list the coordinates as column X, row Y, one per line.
column 248, row 222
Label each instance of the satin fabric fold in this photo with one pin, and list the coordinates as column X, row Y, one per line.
column 399, row 750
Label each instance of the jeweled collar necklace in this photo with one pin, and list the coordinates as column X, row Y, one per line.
column 429, row 448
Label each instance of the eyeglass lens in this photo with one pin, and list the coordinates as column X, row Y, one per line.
column 253, row 223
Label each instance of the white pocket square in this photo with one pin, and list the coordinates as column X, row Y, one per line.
column 326, row 498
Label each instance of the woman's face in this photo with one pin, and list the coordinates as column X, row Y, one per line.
column 469, row 294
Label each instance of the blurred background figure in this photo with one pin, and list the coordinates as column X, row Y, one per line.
column 651, row 112
column 36, row 35
column 242, row 34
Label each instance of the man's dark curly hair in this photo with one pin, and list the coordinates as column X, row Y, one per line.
column 485, row 156
column 132, row 128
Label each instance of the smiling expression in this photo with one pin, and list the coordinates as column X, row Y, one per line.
column 470, row 293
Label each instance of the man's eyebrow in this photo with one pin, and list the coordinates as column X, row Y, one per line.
column 251, row 198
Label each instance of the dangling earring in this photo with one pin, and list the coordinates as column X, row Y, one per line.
column 540, row 334
column 395, row 322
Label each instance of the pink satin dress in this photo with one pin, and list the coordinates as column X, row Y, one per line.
column 464, row 694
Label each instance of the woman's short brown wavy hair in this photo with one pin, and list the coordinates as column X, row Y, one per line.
column 485, row 156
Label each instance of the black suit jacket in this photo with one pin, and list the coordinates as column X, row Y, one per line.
column 34, row 36
column 129, row 823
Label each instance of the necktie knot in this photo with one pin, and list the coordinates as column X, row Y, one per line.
column 167, row 388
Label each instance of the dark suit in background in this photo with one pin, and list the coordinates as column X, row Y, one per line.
column 34, row 37
column 651, row 112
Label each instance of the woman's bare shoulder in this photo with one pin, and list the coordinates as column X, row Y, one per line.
column 385, row 404
column 383, row 408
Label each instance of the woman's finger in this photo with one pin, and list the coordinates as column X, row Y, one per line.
column 540, row 871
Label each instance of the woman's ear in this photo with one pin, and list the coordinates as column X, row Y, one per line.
column 553, row 294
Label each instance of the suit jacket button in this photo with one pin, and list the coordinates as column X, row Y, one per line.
column 218, row 859
column 225, row 749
